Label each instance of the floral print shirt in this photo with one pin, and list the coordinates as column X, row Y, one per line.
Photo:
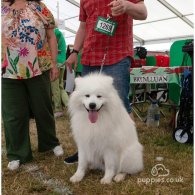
column 25, row 50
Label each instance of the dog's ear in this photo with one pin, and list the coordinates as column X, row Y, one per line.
column 109, row 80
column 77, row 81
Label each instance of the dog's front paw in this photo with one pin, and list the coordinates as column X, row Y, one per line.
column 75, row 178
column 119, row 177
column 105, row 180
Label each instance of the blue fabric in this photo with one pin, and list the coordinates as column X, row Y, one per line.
column 120, row 73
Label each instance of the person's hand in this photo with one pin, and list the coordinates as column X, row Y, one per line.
column 54, row 73
column 118, row 7
column 72, row 59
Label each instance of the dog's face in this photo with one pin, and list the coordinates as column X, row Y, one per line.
column 92, row 93
column 93, row 103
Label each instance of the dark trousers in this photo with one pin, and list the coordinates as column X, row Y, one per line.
column 19, row 98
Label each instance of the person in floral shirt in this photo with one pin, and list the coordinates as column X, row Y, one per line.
column 28, row 66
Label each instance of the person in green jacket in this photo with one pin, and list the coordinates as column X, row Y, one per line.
column 60, row 96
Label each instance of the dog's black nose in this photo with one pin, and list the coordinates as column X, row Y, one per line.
column 92, row 106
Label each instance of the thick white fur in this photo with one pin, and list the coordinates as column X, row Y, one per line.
column 111, row 144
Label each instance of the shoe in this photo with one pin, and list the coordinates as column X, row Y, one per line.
column 58, row 151
column 58, row 114
column 71, row 159
column 13, row 165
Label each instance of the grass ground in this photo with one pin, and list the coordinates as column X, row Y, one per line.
column 48, row 175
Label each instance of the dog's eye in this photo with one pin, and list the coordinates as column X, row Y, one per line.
column 87, row 95
column 99, row 96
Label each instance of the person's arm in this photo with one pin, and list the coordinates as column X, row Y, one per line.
column 137, row 10
column 54, row 73
column 78, row 44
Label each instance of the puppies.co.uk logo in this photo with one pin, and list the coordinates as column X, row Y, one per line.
column 160, row 175
column 160, row 170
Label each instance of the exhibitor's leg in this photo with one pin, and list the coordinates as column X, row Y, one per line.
column 55, row 88
column 15, row 113
column 63, row 93
column 39, row 89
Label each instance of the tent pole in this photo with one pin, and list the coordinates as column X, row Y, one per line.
column 58, row 12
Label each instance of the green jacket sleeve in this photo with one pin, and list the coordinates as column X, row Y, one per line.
column 61, row 46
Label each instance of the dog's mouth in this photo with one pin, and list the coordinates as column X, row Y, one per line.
column 93, row 114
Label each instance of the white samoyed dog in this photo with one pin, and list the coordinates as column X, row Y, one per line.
column 105, row 135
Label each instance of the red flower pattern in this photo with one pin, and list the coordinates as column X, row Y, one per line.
column 45, row 11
